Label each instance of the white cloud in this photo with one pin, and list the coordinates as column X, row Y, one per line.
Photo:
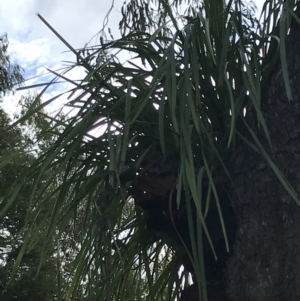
column 35, row 47
column 26, row 53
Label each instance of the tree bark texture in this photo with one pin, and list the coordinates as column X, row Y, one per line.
column 265, row 265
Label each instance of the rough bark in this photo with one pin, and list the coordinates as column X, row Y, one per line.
column 266, row 261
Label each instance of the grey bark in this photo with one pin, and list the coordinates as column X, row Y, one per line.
column 265, row 265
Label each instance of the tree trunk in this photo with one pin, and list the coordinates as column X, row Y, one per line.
column 265, row 265
column 265, row 261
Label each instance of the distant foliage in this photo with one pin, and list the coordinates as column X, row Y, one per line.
column 10, row 74
column 35, row 279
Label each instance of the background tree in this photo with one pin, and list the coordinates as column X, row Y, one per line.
column 32, row 281
column 186, row 164
column 10, row 74
column 18, row 146
column 14, row 160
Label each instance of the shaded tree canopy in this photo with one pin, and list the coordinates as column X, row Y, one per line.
column 14, row 160
column 150, row 15
column 37, row 278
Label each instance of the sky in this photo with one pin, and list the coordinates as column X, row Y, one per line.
column 34, row 47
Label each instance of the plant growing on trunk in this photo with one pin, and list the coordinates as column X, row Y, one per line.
column 191, row 174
